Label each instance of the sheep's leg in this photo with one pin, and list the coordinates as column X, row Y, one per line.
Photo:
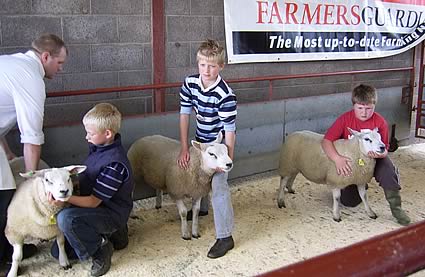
column 158, row 203
column 16, row 259
column 196, row 205
column 285, row 182
column 363, row 196
column 290, row 183
column 183, row 217
column 336, row 193
column 63, row 258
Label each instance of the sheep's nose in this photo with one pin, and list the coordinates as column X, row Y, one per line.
column 229, row 165
column 382, row 148
column 64, row 192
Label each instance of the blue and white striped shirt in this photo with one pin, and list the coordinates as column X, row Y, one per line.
column 215, row 107
column 109, row 180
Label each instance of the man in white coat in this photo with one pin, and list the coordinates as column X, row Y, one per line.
column 22, row 97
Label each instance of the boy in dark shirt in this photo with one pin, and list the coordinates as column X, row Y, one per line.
column 96, row 222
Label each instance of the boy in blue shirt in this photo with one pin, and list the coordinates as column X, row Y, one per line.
column 96, row 222
column 215, row 106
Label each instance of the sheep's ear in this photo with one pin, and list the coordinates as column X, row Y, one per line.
column 31, row 173
column 197, row 145
column 353, row 132
column 75, row 169
column 375, row 130
column 219, row 137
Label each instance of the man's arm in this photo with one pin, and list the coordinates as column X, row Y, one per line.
column 184, row 156
column 32, row 154
column 342, row 163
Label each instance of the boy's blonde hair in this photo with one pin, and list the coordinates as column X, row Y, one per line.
column 211, row 51
column 364, row 94
column 104, row 116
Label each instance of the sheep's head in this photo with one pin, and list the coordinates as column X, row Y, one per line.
column 215, row 154
column 369, row 140
column 57, row 181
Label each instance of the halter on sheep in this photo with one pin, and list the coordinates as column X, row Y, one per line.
column 31, row 215
column 302, row 152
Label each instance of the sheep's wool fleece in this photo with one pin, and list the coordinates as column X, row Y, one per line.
column 154, row 161
column 302, row 152
column 29, row 213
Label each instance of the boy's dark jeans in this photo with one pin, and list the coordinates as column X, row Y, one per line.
column 84, row 228
column 386, row 174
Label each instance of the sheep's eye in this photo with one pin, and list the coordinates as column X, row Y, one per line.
column 368, row 139
column 213, row 155
column 48, row 181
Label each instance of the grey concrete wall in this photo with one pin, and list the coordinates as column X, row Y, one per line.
column 110, row 46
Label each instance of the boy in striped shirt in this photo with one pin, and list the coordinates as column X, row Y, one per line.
column 215, row 107
column 96, row 222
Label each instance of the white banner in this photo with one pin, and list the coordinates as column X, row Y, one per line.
column 274, row 31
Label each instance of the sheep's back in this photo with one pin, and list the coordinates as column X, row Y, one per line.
column 150, row 157
column 302, row 152
column 154, row 162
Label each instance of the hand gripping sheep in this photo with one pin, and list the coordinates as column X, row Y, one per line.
column 30, row 215
column 302, row 152
column 154, row 161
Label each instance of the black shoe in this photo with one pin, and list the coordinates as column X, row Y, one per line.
column 350, row 196
column 70, row 253
column 190, row 214
column 101, row 260
column 220, row 247
column 119, row 238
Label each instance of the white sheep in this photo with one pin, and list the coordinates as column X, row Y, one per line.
column 30, row 215
column 154, row 161
column 302, row 152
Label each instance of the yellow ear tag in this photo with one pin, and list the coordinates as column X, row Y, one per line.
column 361, row 162
column 52, row 220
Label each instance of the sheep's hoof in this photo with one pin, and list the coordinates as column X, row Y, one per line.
column 196, row 236
column 281, row 204
column 373, row 216
column 158, row 207
column 291, row 191
column 337, row 219
column 66, row 267
column 186, row 237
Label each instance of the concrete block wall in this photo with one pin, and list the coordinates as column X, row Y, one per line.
column 110, row 46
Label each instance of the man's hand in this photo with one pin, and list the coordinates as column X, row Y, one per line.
column 53, row 201
column 343, row 166
column 183, row 159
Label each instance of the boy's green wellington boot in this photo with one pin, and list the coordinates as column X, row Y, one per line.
column 394, row 199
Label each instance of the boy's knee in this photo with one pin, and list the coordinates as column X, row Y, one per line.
column 63, row 220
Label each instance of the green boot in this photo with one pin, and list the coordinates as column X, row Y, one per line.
column 394, row 199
